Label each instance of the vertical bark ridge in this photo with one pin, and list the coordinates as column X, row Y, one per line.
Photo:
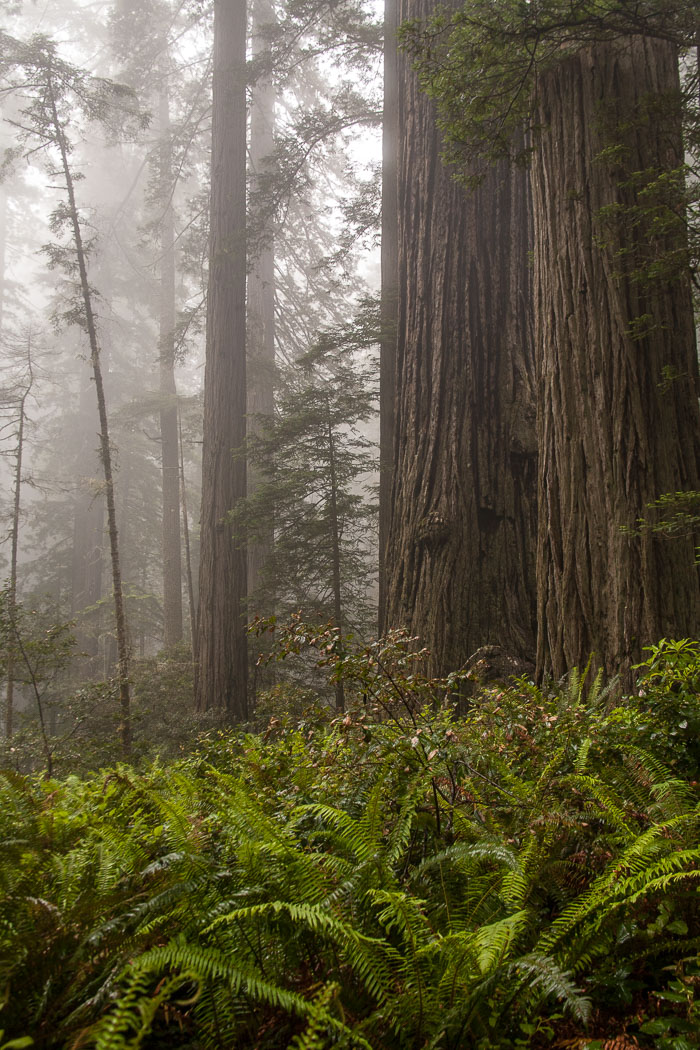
column 613, row 434
column 261, row 288
column 389, row 298
column 461, row 549
column 222, row 681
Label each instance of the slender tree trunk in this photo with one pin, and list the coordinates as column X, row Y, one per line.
column 618, row 422
column 16, row 509
column 127, row 542
column 460, row 560
column 88, row 527
column 3, row 252
column 261, row 288
column 9, row 693
column 43, row 728
column 222, row 681
column 389, row 296
column 142, row 628
column 10, row 687
column 335, row 549
column 188, row 559
column 119, row 613
column 172, row 558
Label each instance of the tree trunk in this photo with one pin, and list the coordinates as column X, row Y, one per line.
column 223, row 652
column 105, row 449
column 16, row 509
column 188, row 558
column 335, row 549
column 3, row 252
column 88, row 529
column 172, row 558
column 618, row 422
column 389, row 297
column 261, row 289
column 460, row 560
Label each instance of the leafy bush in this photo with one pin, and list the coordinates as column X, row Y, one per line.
column 67, row 727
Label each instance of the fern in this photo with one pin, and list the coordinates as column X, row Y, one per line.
column 131, row 1020
column 439, row 885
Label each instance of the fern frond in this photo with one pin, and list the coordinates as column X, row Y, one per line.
column 494, row 943
column 131, row 1020
column 207, row 963
column 350, row 834
column 542, row 974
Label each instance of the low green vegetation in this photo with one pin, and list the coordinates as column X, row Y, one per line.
column 524, row 875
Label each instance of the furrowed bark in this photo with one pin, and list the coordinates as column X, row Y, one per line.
column 618, row 423
column 389, row 297
column 222, row 681
column 261, row 291
column 461, row 552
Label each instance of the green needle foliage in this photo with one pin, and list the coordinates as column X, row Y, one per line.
column 481, row 62
column 315, row 462
column 394, row 879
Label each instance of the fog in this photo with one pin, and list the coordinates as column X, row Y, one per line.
column 106, row 139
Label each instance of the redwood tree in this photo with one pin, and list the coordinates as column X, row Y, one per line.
column 142, row 36
column 460, row 558
column 618, row 419
column 172, row 547
column 261, row 279
column 389, row 295
column 618, row 423
column 223, row 660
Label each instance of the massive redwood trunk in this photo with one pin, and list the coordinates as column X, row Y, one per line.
column 618, row 421
column 460, row 561
column 222, row 681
